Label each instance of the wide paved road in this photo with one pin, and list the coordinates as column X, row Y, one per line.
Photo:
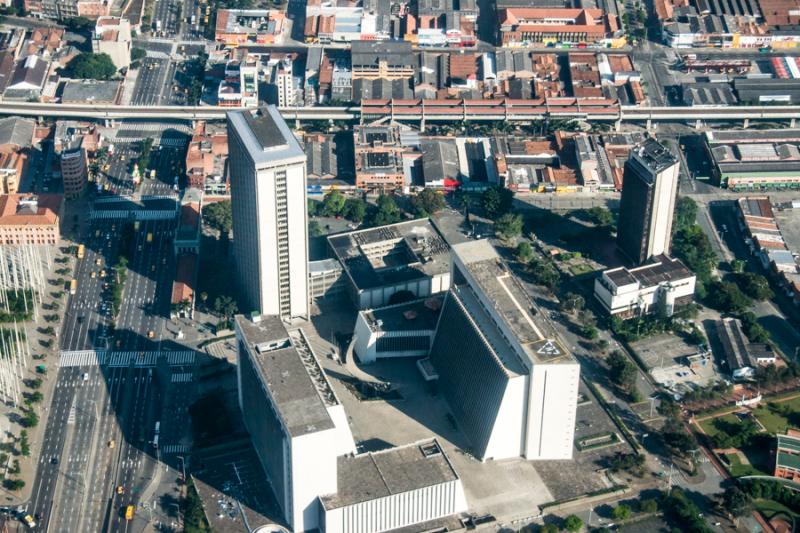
column 101, row 423
column 154, row 83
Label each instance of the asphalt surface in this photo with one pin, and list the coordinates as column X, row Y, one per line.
column 166, row 11
column 154, row 83
column 102, row 419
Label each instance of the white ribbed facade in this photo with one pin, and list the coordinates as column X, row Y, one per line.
column 398, row 510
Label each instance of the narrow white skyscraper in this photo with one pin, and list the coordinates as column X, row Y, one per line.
column 270, row 221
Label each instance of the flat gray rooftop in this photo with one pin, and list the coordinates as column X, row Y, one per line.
column 655, row 155
column 375, row 475
column 418, row 315
column 266, row 137
column 512, row 305
column 290, row 373
column 392, row 254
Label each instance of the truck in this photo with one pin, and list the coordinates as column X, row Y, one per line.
column 73, row 286
column 129, row 512
column 81, row 251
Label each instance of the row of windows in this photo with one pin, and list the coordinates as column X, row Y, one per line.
column 403, row 344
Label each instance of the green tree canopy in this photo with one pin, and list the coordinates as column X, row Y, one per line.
column 755, row 286
column 91, row 66
column 387, row 211
column 138, row 53
column 427, row 202
column 573, row 523
column 333, row 204
column 524, row 252
column 219, row 216
column 509, row 226
column 497, row 201
column 355, row 209
column 685, row 214
column 727, row 297
column 621, row 512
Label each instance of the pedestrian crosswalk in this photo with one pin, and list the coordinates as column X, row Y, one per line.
column 116, row 359
column 144, row 214
column 174, row 448
column 181, row 377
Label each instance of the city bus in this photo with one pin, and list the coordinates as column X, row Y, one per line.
column 81, row 251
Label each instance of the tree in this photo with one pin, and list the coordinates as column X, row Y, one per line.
column 572, row 302
column 219, row 216
column 89, row 65
column 752, row 329
column 524, row 252
column 621, row 371
column 685, row 214
column 737, row 502
column 600, row 216
column 30, row 419
column 621, row 512
column 24, row 445
column 13, row 484
column 464, row 202
column 427, row 202
column 573, row 523
column 36, row 397
column 138, row 53
column 755, row 286
column 333, row 203
column 313, row 207
column 204, row 297
column 314, row 229
column 727, row 297
column 387, row 212
column 226, row 307
column 737, row 266
column 497, row 201
column 509, row 226
column 648, row 506
column 355, row 209
column 549, row 528
column 79, row 24
column 692, row 247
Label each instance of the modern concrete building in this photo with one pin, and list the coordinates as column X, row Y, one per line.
column 393, row 489
column 301, row 435
column 297, row 424
column 508, row 379
column 112, row 36
column 659, row 286
column 400, row 330
column 379, row 262
column 649, row 190
column 270, row 221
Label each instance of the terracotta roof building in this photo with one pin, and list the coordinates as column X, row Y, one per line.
column 29, row 219
column 539, row 25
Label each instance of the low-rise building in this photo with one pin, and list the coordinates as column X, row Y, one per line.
column 787, row 455
column 739, row 354
column 382, row 158
column 239, row 27
column 183, row 287
column 91, row 92
column 523, row 26
column 754, row 159
column 112, row 36
column 206, row 159
column 27, row 219
column 400, row 330
column 656, row 287
column 187, row 236
column 240, row 86
column 28, row 80
column 321, row 160
column 408, row 257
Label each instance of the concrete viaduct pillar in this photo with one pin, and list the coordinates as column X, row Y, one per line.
column 746, row 123
column 793, row 123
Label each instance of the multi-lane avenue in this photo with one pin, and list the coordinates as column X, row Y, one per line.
column 98, row 451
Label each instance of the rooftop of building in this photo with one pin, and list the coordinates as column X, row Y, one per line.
column 739, row 352
column 756, row 206
column 291, row 373
column 663, row 269
column 654, row 155
column 16, row 131
column 417, row 315
column 247, row 21
column 392, row 254
column 396, row 53
column 88, row 91
column 266, row 137
column 29, row 209
column 790, row 441
column 183, row 286
column 511, row 304
column 751, row 135
column 403, row 469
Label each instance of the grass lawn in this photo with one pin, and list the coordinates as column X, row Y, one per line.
column 771, row 508
column 580, row 269
column 710, row 427
column 775, row 422
column 738, row 469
